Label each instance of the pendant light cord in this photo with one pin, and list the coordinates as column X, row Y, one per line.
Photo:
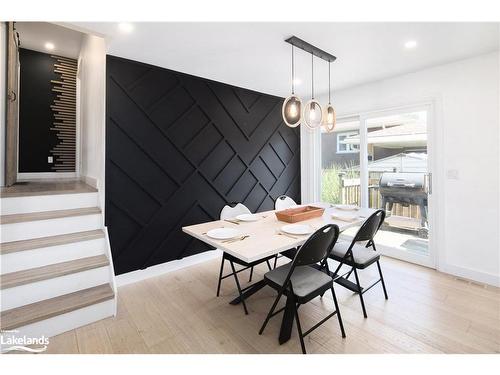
column 329, row 85
column 293, row 74
column 312, row 76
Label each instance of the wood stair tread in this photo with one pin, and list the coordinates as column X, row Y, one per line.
column 51, row 187
column 47, row 215
column 34, row 312
column 13, row 279
column 36, row 243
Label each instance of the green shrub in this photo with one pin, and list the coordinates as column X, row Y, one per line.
column 331, row 183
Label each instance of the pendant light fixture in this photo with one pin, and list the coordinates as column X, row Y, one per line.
column 330, row 117
column 313, row 114
column 292, row 106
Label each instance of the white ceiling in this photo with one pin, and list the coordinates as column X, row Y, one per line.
column 254, row 56
column 34, row 35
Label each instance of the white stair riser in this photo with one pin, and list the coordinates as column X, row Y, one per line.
column 41, row 290
column 22, row 205
column 66, row 322
column 52, row 227
column 22, row 260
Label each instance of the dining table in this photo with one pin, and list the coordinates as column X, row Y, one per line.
column 265, row 237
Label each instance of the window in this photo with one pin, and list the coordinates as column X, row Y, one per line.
column 340, row 179
column 343, row 144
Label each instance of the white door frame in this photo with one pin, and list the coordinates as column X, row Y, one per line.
column 434, row 145
column 430, row 260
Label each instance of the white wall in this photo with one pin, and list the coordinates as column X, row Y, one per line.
column 92, row 79
column 466, row 98
column 3, row 90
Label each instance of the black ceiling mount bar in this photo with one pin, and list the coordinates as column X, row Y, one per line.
column 303, row 45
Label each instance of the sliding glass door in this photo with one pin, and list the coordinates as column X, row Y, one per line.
column 382, row 160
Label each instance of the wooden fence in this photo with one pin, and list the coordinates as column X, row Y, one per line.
column 351, row 194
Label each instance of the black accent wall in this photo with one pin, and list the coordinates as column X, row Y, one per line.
column 35, row 115
column 178, row 148
column 47, row 112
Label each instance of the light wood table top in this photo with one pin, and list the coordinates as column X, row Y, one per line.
column 264, row 239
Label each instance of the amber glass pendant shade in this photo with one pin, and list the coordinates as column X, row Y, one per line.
column 292, row 110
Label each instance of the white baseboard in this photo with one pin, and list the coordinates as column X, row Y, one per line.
column 470, row 274
column 111, row 270
column 160, row 269
column 91, row 181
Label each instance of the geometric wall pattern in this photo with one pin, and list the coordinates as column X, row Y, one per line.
column 178, row 148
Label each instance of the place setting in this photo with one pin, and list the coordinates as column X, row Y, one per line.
column 346, row 212
column 245, row 218
column 226, row 235
column 295, row 230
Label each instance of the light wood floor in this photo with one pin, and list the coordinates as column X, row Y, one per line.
column 427, row 312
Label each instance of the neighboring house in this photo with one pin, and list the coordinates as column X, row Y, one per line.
column 342, row 146
column 402, row 162
column 334, row 151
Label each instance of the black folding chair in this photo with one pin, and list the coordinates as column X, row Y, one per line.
column 233, row 260
column 301, row 282
column 359, row 257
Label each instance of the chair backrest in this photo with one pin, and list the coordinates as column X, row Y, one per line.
column 370, row 226
column 318, row 246
column 233, row 210
column 283, row 202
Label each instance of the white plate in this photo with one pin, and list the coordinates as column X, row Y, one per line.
column 350, row 217
column 346, row 207
column 223, row 233
column 247, row 217
column 297, row 229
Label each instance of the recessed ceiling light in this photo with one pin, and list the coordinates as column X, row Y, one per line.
column 410, row 44
column 49, row 46
column 125, row 27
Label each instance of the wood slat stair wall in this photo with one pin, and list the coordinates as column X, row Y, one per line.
column 64, row 110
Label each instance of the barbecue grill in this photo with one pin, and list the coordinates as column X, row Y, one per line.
column 405, row 189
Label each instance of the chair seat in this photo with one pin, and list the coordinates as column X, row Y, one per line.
column 363, row 256
column 306, row 281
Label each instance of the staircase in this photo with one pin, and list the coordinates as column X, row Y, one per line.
column 56, row 267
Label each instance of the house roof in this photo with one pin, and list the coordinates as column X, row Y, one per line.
column 406, row 135
column 402, row 162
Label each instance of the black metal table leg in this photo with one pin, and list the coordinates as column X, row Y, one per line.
column 249, row 291
column 287, row 321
